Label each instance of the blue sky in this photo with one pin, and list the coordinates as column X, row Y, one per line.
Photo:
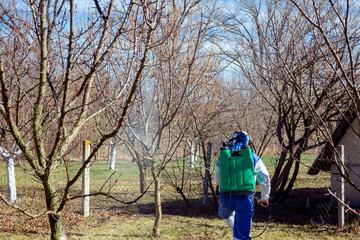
column 84, row 4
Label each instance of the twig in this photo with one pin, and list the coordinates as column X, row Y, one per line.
column 2, row 198
column 342, row 203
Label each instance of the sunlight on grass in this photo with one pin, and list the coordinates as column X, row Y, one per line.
column 112, row 220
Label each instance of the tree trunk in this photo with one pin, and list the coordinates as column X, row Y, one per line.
column 207, row 159
column 56, row 224
column 11, row 183
column 291, row 183
column 193, row 152
column 180, row 191
column 192, row 156
column 143, row 183
column 283, row 179
column 282, row 182
column 158, row 211
column 57, row 227
column 275, row 182
column 112, row 157
column 279, row 166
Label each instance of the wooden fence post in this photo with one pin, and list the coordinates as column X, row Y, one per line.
column 341, row 191
column 85, row 210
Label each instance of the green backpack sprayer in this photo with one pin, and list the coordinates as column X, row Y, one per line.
column 237, row 174
column 236, row 171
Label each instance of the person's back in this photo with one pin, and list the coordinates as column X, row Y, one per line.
column 237, row 209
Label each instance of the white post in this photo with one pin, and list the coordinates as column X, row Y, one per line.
column 85, row 210
column 10, row 167
column 112, row 156
column 341, row 191
column 192, row 154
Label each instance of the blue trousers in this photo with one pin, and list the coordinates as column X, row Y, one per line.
column 241, row 209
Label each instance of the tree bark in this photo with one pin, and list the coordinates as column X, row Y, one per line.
column 143, row 183
column 275, row 178
column 56, row 224
column 291, row 183
column 207, row 159
column 283, row 179
column 158, row 210
column 57, row 228
column 180, row 191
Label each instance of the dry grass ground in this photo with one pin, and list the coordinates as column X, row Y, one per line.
column 128, row 224
column 306, row 215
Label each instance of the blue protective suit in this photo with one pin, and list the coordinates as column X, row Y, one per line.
column 237, row 211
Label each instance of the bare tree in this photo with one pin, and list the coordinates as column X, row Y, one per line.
column 161, row 95
column 54, row 66
column 251, row 113
column 278, row 53
column 167, row 86
column 335, row 25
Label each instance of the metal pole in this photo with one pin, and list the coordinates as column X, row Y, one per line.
column 85, row 210
column 341, row 207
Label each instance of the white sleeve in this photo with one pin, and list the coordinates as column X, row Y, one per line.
column 262, row 176
column 217, row 174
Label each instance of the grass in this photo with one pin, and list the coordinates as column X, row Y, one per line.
column 138, row 226
column 299, row 218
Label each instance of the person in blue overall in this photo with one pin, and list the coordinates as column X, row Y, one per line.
column 239, row 215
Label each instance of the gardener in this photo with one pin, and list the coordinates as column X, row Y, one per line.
column 237, row 209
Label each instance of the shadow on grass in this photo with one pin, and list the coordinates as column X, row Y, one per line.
column 303, row 206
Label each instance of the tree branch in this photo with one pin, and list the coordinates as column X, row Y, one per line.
column 342, row 203
column 2, row 198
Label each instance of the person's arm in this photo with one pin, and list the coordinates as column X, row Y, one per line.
column 262, row 177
